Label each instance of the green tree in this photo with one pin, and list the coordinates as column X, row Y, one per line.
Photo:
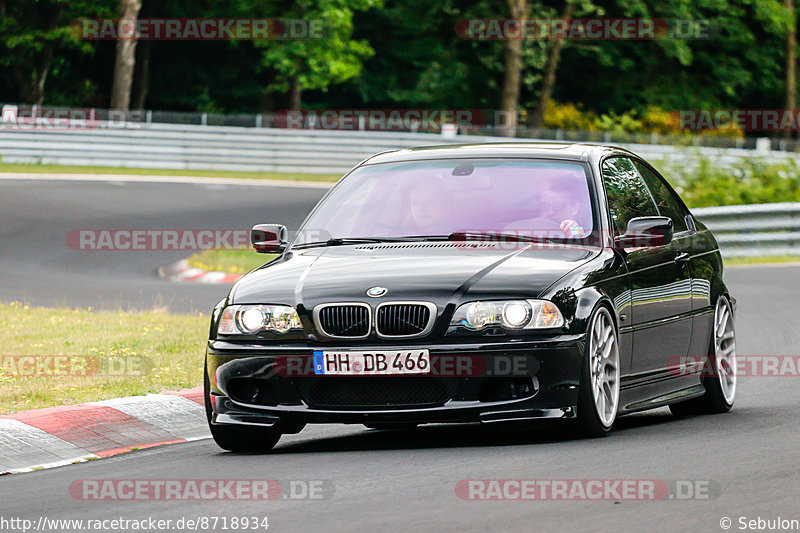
column 35, row 35
column 315, row 63
column 420, row 60
column 209, row 76
column 740, row 65
column 578, row 9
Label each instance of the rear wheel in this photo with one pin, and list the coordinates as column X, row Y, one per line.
column 238, row 439
column 598, row 400
column 719, row 371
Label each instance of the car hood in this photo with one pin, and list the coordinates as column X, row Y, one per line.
column 438, row 272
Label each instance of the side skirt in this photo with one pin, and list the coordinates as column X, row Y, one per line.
column 663, row 400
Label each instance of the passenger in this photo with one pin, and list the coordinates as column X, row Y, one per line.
column 557, row 212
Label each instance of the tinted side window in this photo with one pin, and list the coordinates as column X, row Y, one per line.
column 668, row 203
column 628, row 196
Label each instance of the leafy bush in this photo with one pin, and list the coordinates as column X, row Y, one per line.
column 751, row 181
column 624, row 123
column 660, row 121
column 569, row 116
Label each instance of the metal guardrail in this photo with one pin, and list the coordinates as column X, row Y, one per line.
column 483, row 122
column 195, row 147
column 208, row 147
column 754, row 230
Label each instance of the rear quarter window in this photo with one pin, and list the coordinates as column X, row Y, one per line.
column 668, row 203
column 628, row 196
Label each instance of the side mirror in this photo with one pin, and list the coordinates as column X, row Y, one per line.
column 269, row 238
column 645, row 232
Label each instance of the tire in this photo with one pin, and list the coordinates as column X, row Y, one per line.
column 389, row 425
column 719, row 371
column 598, row 399
column 235, row 438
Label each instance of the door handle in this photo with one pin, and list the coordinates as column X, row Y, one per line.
column 683, row 257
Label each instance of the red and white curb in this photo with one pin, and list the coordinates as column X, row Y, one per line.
column 55, row 436
column 181, row 271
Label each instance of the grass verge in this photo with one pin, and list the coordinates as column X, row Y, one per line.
column 762, row 260
column 68, row 169
column 229, row 261
column 81, row 355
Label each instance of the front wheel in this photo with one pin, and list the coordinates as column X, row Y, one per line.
column 719, row 371
column 235, row 438
column 598, row 400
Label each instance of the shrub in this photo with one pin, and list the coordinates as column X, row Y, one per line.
column 750, row 181
column 568, row 117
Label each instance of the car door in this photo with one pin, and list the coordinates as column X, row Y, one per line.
column 691, row 250
column 659, row 277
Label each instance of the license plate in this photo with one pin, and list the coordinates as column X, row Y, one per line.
column 383, row 363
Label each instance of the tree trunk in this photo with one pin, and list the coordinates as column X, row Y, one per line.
column 142, row 76
column 791, row 61
column 126, row 59
column 512, row 63
column 41, row 79
column 267, row 103
column 31, row 84
column 295, row 94
column 537, row 117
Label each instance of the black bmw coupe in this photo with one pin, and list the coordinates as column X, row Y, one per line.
column 476, row 283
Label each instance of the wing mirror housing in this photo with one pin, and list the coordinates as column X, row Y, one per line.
column 646, row 232
column 269, row 238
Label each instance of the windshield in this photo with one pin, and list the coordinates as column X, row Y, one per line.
column 539, row 199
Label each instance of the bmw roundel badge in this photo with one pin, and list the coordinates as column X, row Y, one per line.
column 376, row 292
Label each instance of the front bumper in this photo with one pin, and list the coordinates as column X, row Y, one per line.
column 267, row 385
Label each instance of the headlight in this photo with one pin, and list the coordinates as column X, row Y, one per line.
column 512, row 314
column 252, row 319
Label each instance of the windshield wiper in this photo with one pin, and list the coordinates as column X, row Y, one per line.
column 455, row 236
column 341, row 241
column 477, row 235
column 464, row 235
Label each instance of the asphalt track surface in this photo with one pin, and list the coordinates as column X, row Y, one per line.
column 401, row 480
column 38, row 266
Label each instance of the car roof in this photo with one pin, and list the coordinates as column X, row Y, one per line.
column 511, row 149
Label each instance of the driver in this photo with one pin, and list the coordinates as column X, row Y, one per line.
column 429, row 210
